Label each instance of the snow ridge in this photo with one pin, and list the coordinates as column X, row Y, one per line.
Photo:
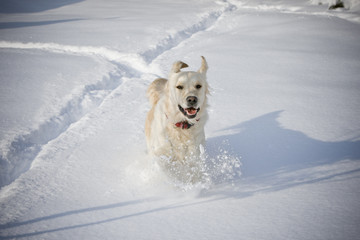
column 176, row 39
column 24, row 149
column 127, row 59
column 349, row 13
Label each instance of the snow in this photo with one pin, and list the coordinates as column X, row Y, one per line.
column 283, row 138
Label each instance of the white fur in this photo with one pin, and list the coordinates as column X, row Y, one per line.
column 163, row 137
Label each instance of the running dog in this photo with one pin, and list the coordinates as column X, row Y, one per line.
column 174, row 125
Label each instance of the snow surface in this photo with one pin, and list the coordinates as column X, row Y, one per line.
column 284, row 104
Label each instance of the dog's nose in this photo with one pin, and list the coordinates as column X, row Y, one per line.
column 191, row 100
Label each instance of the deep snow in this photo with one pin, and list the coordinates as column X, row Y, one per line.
column 284, row 102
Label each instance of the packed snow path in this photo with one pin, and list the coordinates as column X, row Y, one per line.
column 285, row 100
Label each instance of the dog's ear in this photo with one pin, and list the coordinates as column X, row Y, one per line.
column 177, row 66
column 204, row 67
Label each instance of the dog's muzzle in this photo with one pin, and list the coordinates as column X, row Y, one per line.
column 190, row 112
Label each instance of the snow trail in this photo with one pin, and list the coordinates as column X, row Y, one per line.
column 131, row 60
column 171, row 41
column 23, row 149
column 349, row 13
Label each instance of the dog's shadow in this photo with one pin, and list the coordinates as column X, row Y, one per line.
column 266, row 149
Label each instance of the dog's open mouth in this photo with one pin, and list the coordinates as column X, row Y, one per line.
column 189, row 112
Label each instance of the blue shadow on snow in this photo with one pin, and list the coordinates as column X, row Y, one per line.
column 265, row 147
column 10, row 25
column 26, row 6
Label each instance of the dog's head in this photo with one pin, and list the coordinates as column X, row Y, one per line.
column 187, row 90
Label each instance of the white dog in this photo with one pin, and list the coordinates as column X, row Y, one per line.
column 174, row 126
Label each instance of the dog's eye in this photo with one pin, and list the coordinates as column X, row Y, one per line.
column 179, row 87
column 198, row 86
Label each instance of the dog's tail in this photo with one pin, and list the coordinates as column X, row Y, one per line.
column 155, row 90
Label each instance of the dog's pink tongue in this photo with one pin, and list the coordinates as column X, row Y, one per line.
column 191, row 111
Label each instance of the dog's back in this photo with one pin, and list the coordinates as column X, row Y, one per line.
column 154, row 93
column 155, row 90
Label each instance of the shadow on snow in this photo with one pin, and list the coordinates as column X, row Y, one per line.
column 10, row 25
column 265, row 147
column 274, row 158
column 93, row 209
column 25, row 6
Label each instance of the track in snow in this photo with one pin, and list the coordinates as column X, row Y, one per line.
column 170, row 42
